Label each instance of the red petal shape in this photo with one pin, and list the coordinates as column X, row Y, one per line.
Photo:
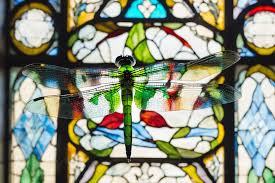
column 171, row 31
column 152, row 118
column 112, row 121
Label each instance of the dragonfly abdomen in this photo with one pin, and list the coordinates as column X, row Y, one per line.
column 127, row 99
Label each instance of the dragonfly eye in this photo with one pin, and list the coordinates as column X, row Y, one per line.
column 125, row 60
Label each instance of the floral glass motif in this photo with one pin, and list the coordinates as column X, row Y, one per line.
column 33, row 145
column 103, row 42
column 32, row 28
column 160, row 136
column 146, row 9
column 81, row 11
column 255, row 125
column 254, row 19
column 173, row 135
column 99, row 39
column 104, row 172
column 157, row 172
column 212, row 11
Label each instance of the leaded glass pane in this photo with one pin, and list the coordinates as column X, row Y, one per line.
column 254, row 21
column 33, row 140
column 105, row 172
column 33, row 28
column 255, row 124
column 182, row 146
column 164, row 135
column 215, row 165
column 100, row 38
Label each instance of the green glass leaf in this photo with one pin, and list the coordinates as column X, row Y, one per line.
column 188, row 153
column 72, row 40
column 32, row 173
column 219, row 38
column 214, row 144
column 91, row 124
column 168, row 149
column 214, row 92
column 252, row 177
column 94, row 100
column 136, row 35
column 102, row 153
column 218, row 111
column 25, row 176
column 173, row 25
column 239, row 42
column 268, row 176
column 142, row 53
column 181, row 133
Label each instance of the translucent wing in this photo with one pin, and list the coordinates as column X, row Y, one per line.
column 66, row 79
column 201, row 70
column 156, row 96
column 92, row 103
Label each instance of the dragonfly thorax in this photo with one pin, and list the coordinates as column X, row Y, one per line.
column 127, row 79
column 125, row 60
column 127, row 74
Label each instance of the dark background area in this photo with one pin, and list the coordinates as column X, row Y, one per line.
column 2, row 56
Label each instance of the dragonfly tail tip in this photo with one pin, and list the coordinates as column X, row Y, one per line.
column 128, row 160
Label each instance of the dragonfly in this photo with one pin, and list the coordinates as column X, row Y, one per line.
column 160, row 87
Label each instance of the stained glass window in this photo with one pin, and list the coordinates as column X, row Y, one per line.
column 255, row 124
column 33, row 140
column 254, row 112
column 232, row 143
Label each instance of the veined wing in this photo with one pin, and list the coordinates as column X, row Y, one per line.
column 156, row 96
column 92, row 103
column 69, row 79
column 201, row 70
column 207, row 68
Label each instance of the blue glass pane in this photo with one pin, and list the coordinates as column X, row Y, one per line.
column 146, row 9
column 33, row 133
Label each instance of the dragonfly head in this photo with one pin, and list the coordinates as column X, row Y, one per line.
column 125, row 60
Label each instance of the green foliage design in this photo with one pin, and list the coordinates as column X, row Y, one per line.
column 32, row 173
